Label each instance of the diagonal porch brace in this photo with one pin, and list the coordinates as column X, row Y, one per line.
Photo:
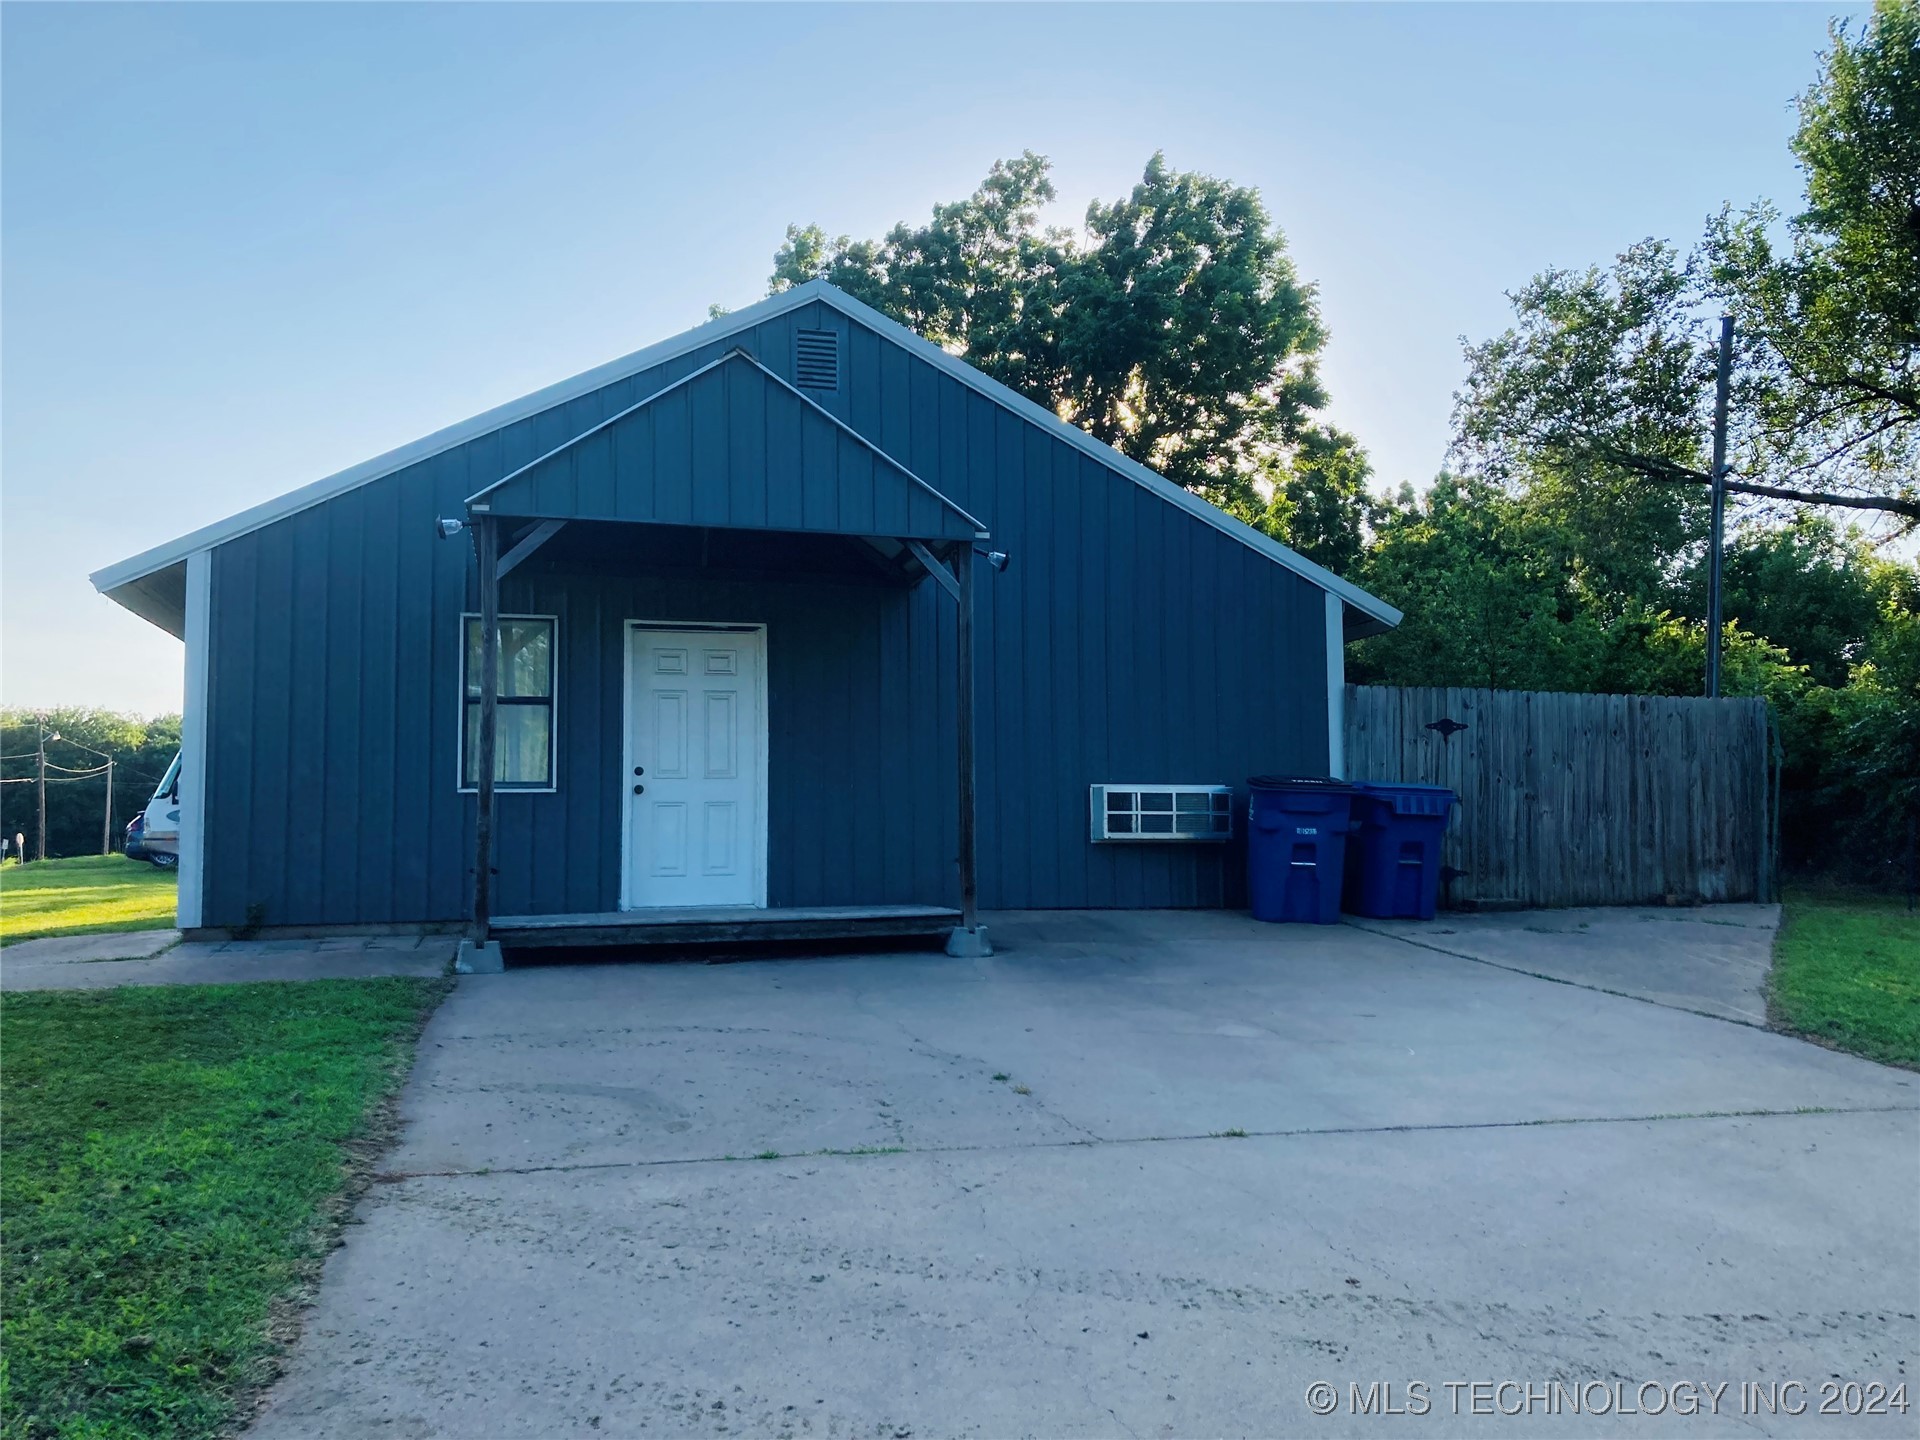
column 934, row 568
column 531, row 542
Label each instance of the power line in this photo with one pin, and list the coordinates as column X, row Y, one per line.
column 120, row 764
column 82, row 745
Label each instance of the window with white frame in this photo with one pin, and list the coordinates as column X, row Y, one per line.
column 523, row 736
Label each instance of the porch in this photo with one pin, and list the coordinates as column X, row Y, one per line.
column 723, row 924
column 758, row 576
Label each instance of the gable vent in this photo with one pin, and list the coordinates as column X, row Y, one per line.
column 816, row 359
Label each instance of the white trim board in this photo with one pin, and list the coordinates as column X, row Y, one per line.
column 111, row 577
column 193, row 742
column 367, row 471
column 1369, row 605
column 1336, row 690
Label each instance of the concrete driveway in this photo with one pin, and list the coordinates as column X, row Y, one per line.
column 1139, row 1174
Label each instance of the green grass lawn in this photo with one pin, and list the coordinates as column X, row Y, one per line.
column 173, row 1166
column 83, row 896
column 1846, row 971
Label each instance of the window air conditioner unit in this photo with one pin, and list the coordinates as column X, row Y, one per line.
column 1162, row 812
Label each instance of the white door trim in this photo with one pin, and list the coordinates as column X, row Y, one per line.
column 632, row 630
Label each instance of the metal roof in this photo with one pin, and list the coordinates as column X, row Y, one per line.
column 121, row 581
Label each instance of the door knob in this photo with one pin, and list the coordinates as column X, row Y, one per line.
column 639, row 769
column 639, row 789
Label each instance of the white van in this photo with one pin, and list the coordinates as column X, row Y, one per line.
column 160, row 826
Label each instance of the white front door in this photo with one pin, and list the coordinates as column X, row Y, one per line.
column 696, row 767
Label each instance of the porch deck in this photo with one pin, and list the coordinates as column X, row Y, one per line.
column 711, row 924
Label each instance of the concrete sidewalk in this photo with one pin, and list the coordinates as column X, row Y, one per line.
column 158, row 957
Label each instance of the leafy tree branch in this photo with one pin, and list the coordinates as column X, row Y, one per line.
column 1610, row 370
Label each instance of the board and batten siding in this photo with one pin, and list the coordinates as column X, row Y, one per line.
column 1129, row 641
column 1580, row 799
column 730, row 447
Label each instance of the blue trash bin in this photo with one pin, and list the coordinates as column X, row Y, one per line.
column 1393, row 854
column 1296, row 847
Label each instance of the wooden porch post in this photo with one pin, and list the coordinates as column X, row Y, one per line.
column 953, row 569
column 486, row 542
column 963, row 572
column 970, row 938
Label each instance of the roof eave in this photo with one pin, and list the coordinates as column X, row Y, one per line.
column 256, row 517
column 1357, row 624
column 158, row 597
column 113, row 577
column 1370, row 605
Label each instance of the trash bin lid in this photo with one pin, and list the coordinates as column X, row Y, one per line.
column 1312, row 784
column 1410, row 799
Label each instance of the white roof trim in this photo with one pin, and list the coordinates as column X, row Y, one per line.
column 260, row 516
column 1226, row 524
column 294, row 501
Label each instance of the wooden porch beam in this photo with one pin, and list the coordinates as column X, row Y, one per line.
column 527, row 544
column 875, row 559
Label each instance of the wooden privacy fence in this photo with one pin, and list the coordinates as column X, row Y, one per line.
column 1580, row 799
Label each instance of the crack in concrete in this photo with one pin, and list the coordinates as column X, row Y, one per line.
column 393, row 1177
column 928, row 1050
column 1558, row 979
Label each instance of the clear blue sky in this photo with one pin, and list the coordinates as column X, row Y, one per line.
column 248, row 245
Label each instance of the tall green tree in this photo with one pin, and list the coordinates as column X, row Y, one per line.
column 1487, row 590
column 1174, row 327
column 1819, row 593
column 1607, row 373
column 1833, row 314
column 1318, row 499
column 976, row 278
column 1536, row 591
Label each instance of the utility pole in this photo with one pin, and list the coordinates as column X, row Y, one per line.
column 41, row 722
column 1719, row 505
column 106, row 823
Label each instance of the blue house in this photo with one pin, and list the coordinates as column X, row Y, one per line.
column 805, row 628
